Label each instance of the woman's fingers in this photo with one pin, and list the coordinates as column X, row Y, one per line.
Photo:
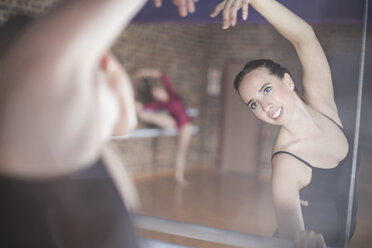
column 226, row 14
column 185, row 6
column 234, row 12
column 157, row 3
column 230, row 10
column 245, row 9
column 190, row 6
column 218, row 9
column 181, row 5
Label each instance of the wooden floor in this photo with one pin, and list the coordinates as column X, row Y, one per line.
column 228, row 201
column 234, row 202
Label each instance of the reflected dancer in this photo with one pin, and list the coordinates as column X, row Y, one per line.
column 166, row 98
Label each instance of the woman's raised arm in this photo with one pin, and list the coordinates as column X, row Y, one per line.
column 317, row 80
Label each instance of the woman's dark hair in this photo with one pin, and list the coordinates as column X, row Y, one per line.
column 11, row 29
column 274, row 69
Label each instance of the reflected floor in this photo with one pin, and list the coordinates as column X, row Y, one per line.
column 233, row 201
column 222, row 200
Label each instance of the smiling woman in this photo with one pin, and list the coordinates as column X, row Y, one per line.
column 268, row 87
column 311, row 153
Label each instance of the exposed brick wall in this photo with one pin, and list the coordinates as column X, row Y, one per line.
column 186, row 52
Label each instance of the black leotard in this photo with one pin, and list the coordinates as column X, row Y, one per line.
column 79, row 210
column 328, row 195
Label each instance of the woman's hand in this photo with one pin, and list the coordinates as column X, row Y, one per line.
column 230, row 9
column 308, row 239
column 184, row 6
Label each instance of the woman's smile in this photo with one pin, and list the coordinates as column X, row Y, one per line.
column 277, row 114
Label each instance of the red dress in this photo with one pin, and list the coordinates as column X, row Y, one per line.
column 174, row 105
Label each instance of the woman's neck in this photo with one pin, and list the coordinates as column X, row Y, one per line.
column 302, row 123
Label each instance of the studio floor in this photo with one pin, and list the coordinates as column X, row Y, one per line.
column 232, row 201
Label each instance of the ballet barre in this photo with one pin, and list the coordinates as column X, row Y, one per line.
column 153, row 132
column 149, row 243
column 157, row 132
column 209, row 234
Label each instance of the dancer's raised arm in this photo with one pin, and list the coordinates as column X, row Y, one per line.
column 317, row 80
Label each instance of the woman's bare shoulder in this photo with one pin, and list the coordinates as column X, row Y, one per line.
column 283, row 142
column 287, row 169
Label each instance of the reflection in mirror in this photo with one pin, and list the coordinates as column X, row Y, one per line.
column 229, row 162
column 217, row 172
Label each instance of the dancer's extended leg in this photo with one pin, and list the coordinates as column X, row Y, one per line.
column 162, row 120
column 183, row 145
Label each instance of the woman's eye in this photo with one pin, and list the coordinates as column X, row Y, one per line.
column 267, row 89
column 253, row 105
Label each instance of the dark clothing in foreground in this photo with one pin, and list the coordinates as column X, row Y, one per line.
column 79, row 210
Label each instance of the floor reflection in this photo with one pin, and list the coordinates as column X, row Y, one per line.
column 234, row 201
column 224, row 200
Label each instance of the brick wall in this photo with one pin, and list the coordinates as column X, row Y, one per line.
column 186, row 52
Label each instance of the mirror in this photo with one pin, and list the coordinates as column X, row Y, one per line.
column 228, row 164
column 228, row 160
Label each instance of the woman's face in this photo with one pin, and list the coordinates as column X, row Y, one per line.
column 270, row 98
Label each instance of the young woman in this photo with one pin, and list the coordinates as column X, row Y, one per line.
column 166, row 98
column 311, row 158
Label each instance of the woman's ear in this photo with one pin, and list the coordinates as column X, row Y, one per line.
column 108, row 63
column 289, row 81
column 104, row 61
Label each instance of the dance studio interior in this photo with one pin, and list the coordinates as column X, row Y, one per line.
column 226, row 200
